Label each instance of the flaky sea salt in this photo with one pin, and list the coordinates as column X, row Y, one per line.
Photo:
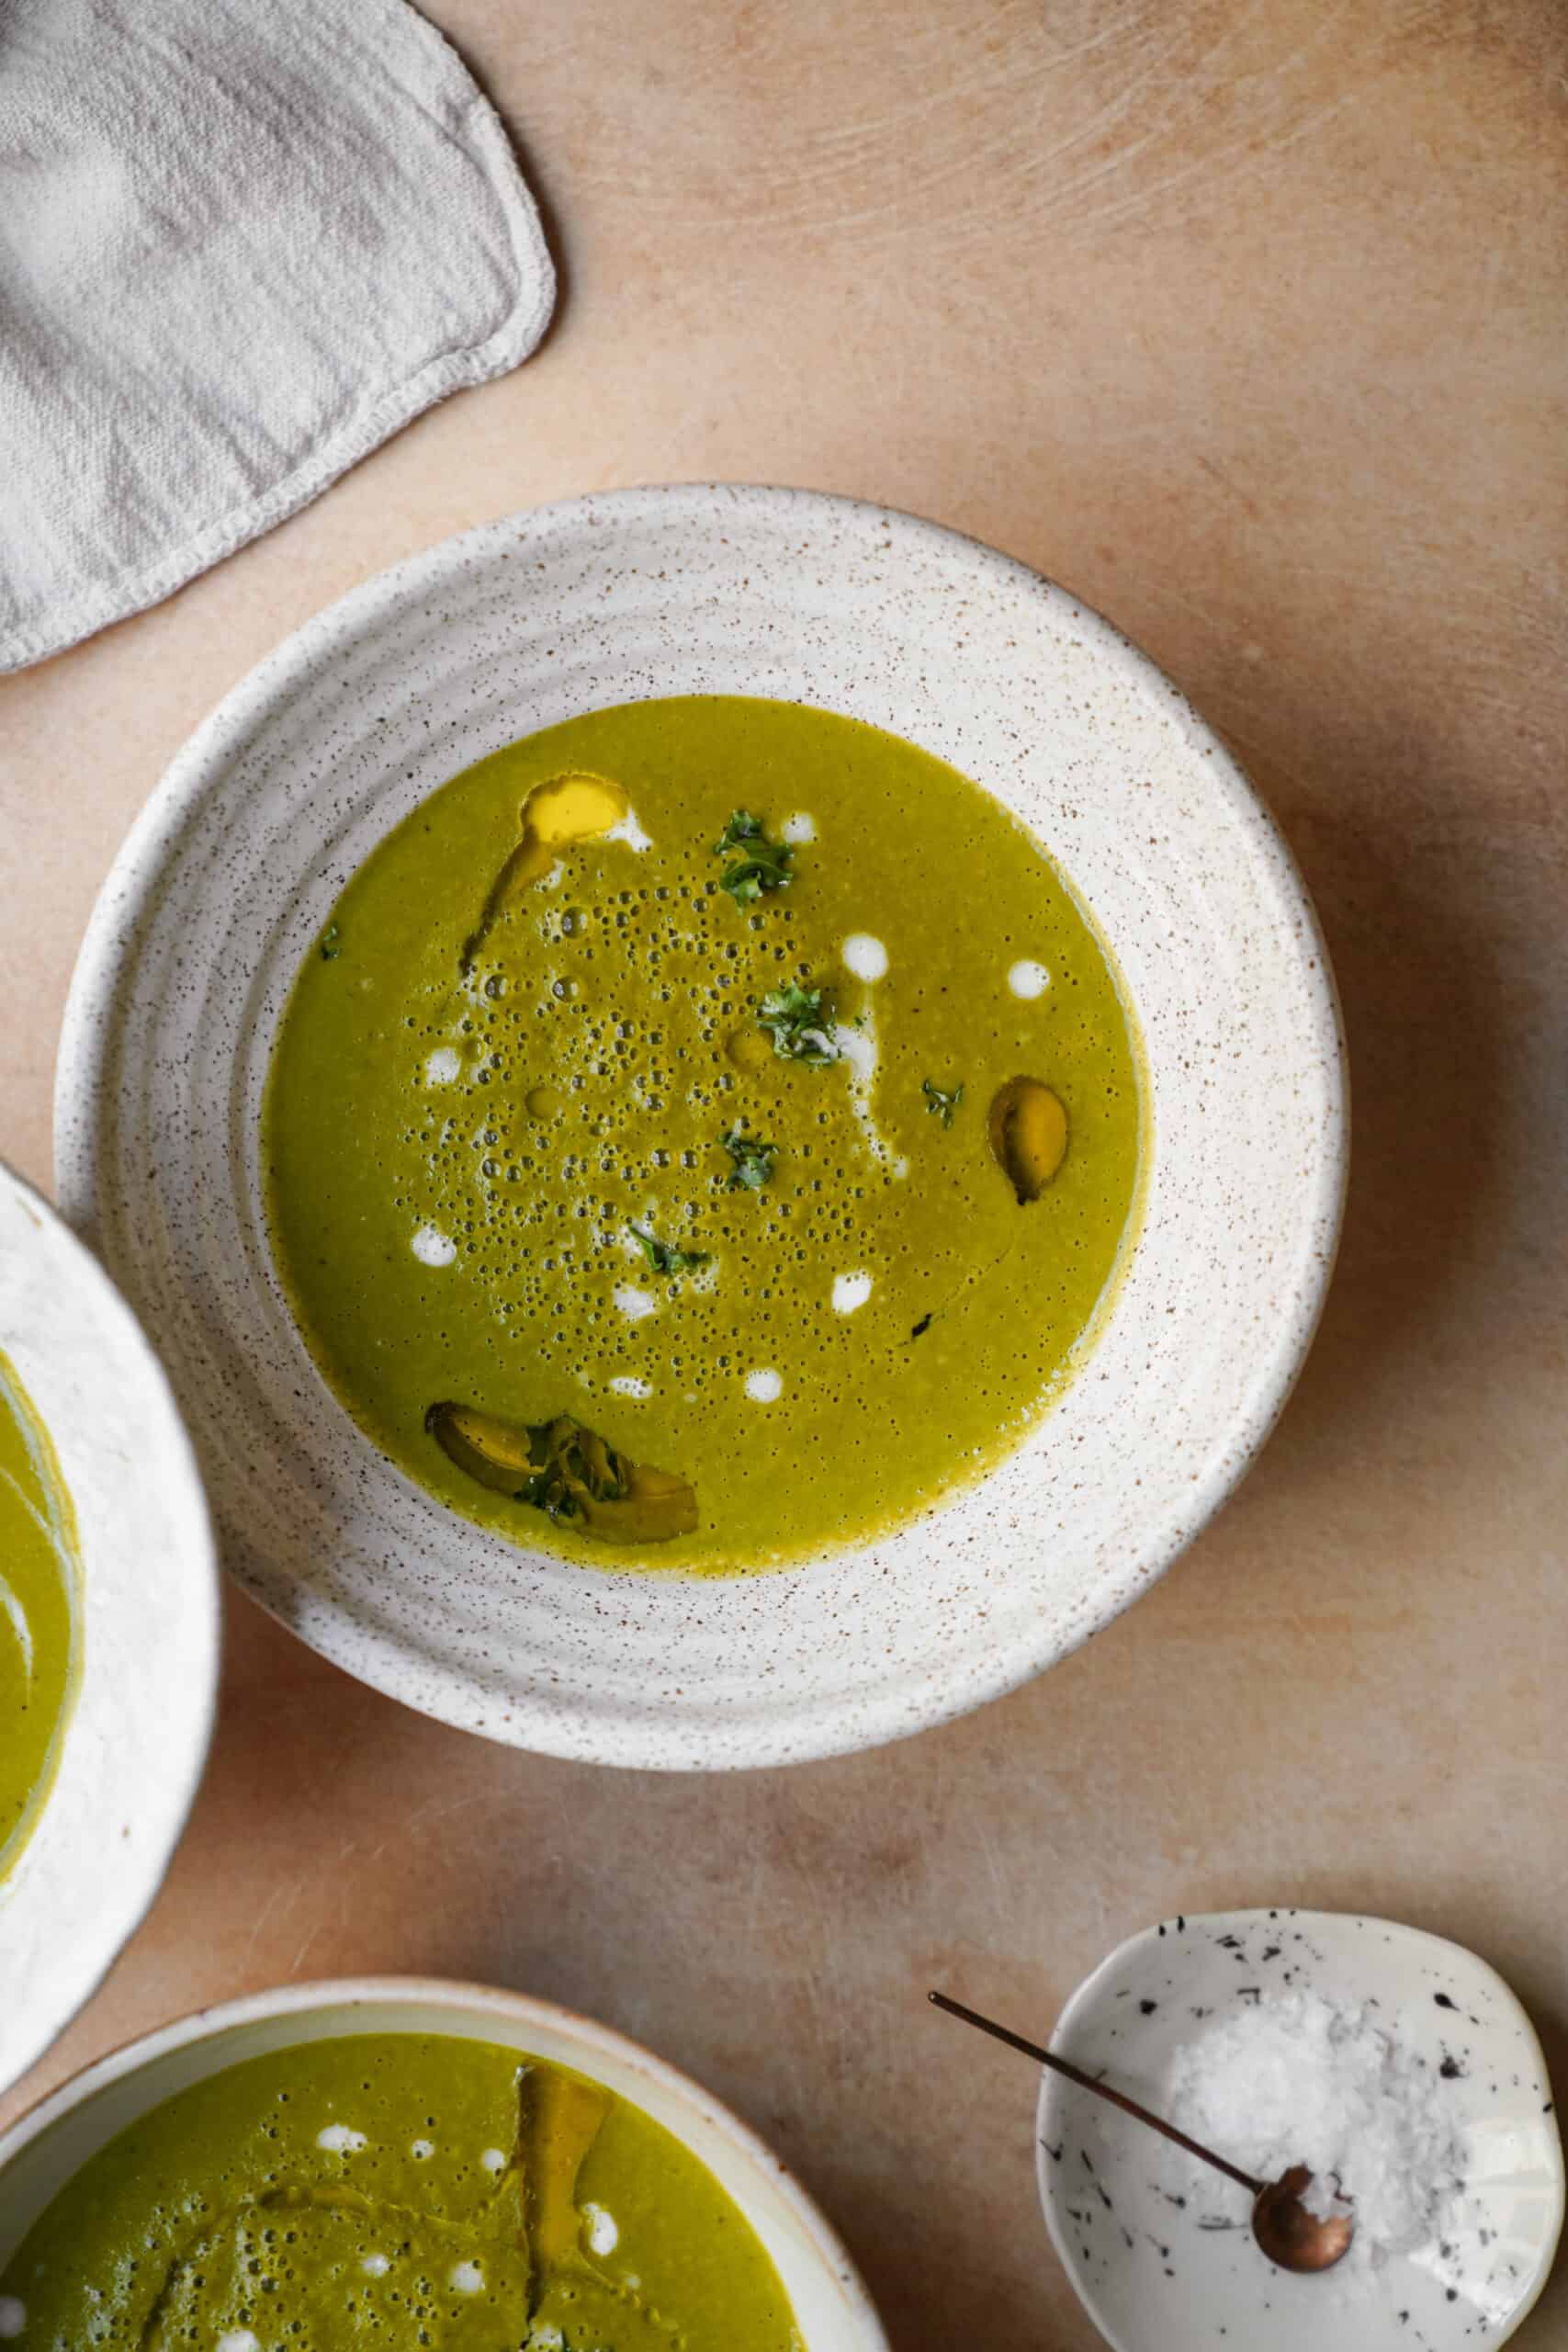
column 1301, row 2080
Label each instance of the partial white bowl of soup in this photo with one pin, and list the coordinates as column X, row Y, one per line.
column 470, row 2163
column 108, row 1625
column 728, row 1105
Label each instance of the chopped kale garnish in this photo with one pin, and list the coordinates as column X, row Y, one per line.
column 800, row 1023
column 741, row 830
column 762, row 866
column 941, row 1100
column 753, row 1161
column 663, row 1258
column 331, row 946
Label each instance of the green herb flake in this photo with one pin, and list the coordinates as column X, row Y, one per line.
column 753, row 1161
column 762, row 866
column 800, row 1023
column 940, row 1102
column 662, row 1257
column 331, row 946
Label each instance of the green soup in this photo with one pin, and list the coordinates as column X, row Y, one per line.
column 396, row 2189
column 38, row 1576
column 642, row 1165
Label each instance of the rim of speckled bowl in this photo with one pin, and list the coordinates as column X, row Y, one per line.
column 690, row 1720
column 848, row 2323
column 48, row 1986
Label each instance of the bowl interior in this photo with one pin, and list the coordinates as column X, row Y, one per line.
column 137, row 1737
column 330, row 743
column 42, row 2152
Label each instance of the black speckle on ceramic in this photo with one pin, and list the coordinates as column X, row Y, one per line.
column 1164, row 2257
column 701, row 589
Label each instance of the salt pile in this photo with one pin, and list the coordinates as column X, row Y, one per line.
column 1299, row 2080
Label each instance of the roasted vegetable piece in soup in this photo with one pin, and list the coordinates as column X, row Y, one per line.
column 568, row 1472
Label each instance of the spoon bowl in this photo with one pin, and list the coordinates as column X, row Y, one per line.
column 1289, row 2234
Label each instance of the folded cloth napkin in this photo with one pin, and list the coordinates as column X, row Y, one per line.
column 241, row 241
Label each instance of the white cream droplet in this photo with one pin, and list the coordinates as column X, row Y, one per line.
column 1028, row 979
column 13, row 2318
column 375, row 2266
column 339, row 2140
column 443, row 1065
column 763, row 1388
column 21, row 1631
column 422, row 2148
column 850, row 1291
column 494, row 2160
column 866, row 957
column 798, row 827
column 629, row 831
column 239, row 2339
column 859, row 1049
column 633, row 1302
column 432, row 1246
column 604, row 2235
column 627, row 1383
column 465, row 2278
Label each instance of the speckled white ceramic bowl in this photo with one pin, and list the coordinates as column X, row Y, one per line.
column 1156, row 2276
column 337, row 736
column 38, row 2154
column 136, row 1740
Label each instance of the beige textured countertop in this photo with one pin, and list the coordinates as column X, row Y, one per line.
column 1248, row 322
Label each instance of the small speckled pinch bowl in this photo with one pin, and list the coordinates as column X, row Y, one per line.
column 42, row 2151
column 1159, row 2276
column 313, row 759
column 135, row 1742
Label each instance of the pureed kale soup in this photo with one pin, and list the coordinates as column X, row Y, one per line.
column 39, row 1620
column 391, row 2189
column 702, row 1134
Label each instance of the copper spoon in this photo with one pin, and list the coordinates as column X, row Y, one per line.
column 1286, row 2231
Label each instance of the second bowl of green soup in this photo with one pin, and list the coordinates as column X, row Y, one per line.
column 420, row 2163
column 729, row 1107
column 110, row 1626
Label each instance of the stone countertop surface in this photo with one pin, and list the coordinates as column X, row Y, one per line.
column 1246, row 321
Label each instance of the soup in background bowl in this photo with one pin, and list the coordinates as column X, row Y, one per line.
column 40, row 1616
column 108, row 1626
column 472, row 2166
column 951, row 1576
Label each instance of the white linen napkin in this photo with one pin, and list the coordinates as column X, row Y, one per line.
column 241, row 241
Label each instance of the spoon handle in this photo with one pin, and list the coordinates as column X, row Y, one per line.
column 1102, row 2090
